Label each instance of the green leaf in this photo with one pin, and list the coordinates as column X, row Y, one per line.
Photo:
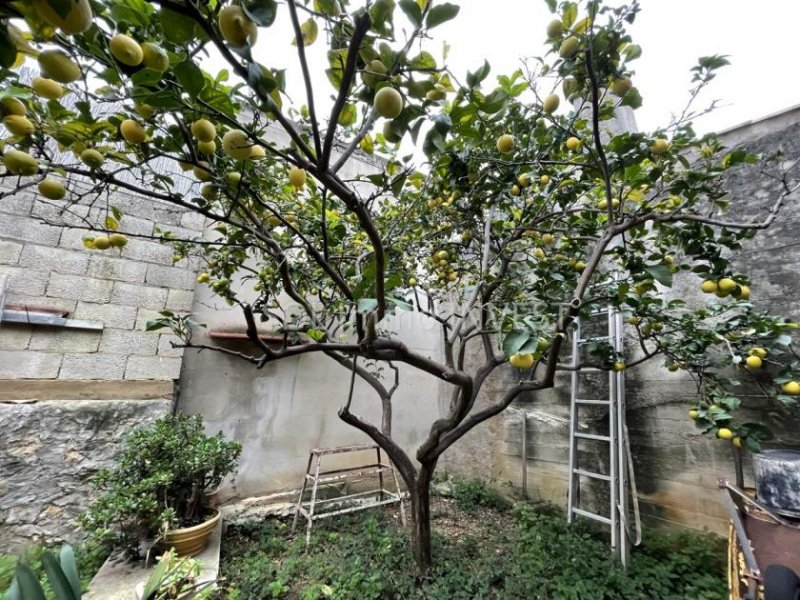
column 349, row 115
column 514, row 341
column 309, row 32
column 262, row 12
column 366, row 305
column 495, row 102
column 738, row 157
column 55, row 576
column 316, row 334
column 757, row 431
column 570, row 14
column 433, row 141
column 156, row 325
column 8, row 49
column 474, row 79
column 401, row 304
column 713, row 62
column 783, row 340
column 382, row 12
column 367, row 145
column 70, row 567
column 660, row 273
column 260, row 79
column 156, row 578
column 147, row 77
column 337, row 59
column 327, row 7
column 190, row 77
column 178, row 28
column 443, row 123
column 633, row 99
column 13, row 91
column 134, row 12
column 412, row 11
column 423, row 60
column 28, row 583
column 163, row 99
column 441, row 13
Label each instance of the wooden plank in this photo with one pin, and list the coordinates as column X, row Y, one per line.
column 26, row 390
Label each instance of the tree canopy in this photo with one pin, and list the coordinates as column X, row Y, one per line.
column 525, row 206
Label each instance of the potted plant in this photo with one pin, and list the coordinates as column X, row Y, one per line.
column 158, row 487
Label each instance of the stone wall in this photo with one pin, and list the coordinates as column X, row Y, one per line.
column 49, row 452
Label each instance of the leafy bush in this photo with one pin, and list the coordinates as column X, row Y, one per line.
column 473, row 493
column 160, row 481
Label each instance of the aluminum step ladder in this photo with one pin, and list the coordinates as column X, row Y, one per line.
column 619, row 476
column 341, row 503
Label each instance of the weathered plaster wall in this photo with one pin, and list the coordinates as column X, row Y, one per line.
column 281, row 412
column 284, row 410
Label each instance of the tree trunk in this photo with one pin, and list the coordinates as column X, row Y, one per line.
column 421, row 516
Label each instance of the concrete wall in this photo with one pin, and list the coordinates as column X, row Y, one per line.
column 677, row 467
column 42, row 254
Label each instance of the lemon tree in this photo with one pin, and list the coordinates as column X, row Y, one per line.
column 528, row 209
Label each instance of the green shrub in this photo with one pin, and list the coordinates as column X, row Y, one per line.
column 473, row 493
column 160, row 481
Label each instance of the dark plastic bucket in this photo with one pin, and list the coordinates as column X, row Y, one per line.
column 778, row 480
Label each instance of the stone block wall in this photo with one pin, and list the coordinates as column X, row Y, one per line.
column 48, row 267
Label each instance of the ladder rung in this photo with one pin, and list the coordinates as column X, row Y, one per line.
column 587, row 401
column 584, row 370
column 596, row 338
column 592, row 474
column 592, row 436
column 591, row 515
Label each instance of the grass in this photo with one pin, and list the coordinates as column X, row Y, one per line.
column 480, row 552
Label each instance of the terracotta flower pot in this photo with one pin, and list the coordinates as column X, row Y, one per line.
column 190, row 541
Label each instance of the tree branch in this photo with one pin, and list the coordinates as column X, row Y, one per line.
column 301, row 53
column 362, row 25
